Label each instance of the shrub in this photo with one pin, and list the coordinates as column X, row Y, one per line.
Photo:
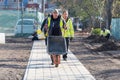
column 96, row 31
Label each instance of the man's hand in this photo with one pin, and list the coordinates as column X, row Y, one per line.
column 65, row 27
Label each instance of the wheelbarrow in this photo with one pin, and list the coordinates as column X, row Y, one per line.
column 56, row 46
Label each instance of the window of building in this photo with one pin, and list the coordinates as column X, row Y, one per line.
column 1, row 0
column 15, row 0
column 20, row 0
column 31, row 0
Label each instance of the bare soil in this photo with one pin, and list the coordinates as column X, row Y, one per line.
column 104, row 63
column 14, row 56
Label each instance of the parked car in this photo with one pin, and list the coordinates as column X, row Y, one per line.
column 27, row 26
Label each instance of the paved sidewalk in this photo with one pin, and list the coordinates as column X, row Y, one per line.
column 39, row 67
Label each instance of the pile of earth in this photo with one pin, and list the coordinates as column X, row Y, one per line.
column 97, row 39
column 92, row 37
column 108, row 46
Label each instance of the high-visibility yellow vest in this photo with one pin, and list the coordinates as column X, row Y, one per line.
column 69, row 32
column 61, row 25
column 105, row 33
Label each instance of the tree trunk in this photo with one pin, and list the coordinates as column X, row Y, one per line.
column 108, row 12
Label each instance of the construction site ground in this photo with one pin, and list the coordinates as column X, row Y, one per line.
column 102, row 64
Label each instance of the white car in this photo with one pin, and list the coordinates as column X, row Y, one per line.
column 25, row 26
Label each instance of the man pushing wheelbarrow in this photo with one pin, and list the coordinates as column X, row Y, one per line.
column 56, row 45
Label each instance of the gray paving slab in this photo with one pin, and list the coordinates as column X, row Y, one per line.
column 39, row 67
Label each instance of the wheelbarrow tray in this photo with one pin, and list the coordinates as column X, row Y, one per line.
column 56, row 45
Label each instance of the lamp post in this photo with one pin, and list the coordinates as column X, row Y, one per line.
column 22, row 18
column 18, row 8
column 43, row 6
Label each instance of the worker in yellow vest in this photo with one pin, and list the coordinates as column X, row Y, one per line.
column 54, row 27
column 69, row 32
column 105, row 33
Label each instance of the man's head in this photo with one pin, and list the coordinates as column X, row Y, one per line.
column 55, row 13
column 65, row 14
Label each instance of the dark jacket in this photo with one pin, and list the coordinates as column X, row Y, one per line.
column 54, row 29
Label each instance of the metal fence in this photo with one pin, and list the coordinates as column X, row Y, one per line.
column 8, row 19
column 115, row 28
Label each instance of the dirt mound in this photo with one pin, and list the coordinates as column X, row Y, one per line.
column 96, row 39
column 92, row 37
column 99, row 40
column 108, row 46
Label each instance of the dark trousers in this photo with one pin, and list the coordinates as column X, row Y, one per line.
column 46, row 41
column 107, row 36
column 67, row 45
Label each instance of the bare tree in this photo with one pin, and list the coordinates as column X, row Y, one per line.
column 108, row 12
column 116, row 8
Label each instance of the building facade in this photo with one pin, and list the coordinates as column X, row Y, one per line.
column 16, row 4
column 9, row 4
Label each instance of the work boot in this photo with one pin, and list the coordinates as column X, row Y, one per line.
column 56, row 65
column 65, row 59
column 51, row 56
column 52, row 63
